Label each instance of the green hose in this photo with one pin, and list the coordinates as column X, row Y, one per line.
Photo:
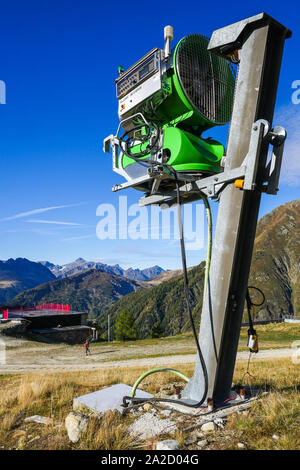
column 206, row 277
column 208, row 243
column 152, row 371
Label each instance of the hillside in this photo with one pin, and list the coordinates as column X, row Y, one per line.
column 20, row 274
column 164, row 303
column 276, row 260
column 90, row 291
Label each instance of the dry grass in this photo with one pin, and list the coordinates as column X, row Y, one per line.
column 108, row 433
column 51, row 395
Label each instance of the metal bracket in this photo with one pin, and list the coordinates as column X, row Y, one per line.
column 212, row 186
column 278, row 136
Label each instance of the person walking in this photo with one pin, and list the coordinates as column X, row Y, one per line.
column 86, row 347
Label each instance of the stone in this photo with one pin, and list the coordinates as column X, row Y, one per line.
column 202, row 443
column 275, row 437
column 76, row 425
column 219, row 422
column 208, row 427
column 170, row 444
column 240, row 445
column 39, row 419
column 190, row 440
column 166, row 412
column 147, row 407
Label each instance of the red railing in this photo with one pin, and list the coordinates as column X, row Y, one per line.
column 60, row 307
column 51, row 306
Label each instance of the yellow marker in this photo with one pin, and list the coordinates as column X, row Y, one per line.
column 239, row 184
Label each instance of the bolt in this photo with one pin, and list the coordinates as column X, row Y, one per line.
column 210, row 404
column 255, row 128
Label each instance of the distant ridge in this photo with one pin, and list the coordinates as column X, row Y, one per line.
column 80, row 265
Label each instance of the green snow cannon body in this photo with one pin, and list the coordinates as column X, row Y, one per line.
column 166, row 101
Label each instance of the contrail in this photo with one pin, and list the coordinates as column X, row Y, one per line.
column 37, row 211
column 39, row 221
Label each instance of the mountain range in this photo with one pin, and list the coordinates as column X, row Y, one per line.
column 80, row 265
column 21, row 274
column 91, row 291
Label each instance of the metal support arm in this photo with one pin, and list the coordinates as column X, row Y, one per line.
column 212, row 186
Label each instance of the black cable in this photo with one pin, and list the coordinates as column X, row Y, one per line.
column 187, row 298
column 250, row 304
column 261, row 292
column 124, row 144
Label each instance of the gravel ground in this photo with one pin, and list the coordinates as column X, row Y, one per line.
column 22, row 356
column 149, row 425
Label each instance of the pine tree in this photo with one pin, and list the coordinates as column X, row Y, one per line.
column 125, row 329
column 157, row 331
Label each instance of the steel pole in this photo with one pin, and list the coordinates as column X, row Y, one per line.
column 260, row 60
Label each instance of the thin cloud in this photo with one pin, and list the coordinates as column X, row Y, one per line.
column 40, row 221
column 78, row 238
column 37, row 231
column 38, row 211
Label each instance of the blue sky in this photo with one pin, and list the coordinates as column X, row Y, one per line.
column 58, row 60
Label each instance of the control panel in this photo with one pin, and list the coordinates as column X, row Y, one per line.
column 141, row 71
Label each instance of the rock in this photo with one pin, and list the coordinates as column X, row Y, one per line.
column 76, row 424
column 240, row 445
column 170, row 444
column 147, row 406
column 275, row 437
column 219, row 422
column 166, row 412
column 208, row 427
column 39, row 419
column 202, row 443
column 191, row 439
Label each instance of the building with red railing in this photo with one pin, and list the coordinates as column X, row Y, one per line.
column 51, row 320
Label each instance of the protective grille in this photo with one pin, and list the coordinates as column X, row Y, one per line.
column 206, row 79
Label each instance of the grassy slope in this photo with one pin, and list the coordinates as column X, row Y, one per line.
column 276, row 260
column 51, row 395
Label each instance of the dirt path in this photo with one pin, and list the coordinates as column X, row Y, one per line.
column 63, row 362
